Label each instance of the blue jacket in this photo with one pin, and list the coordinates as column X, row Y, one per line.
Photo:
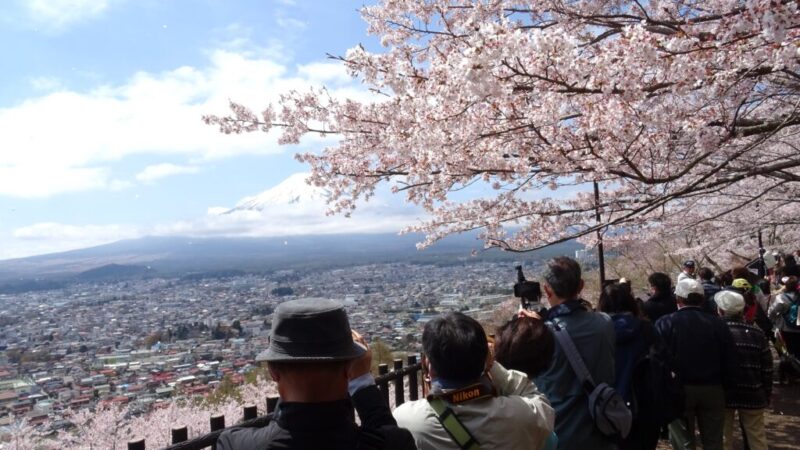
column 593, row 334
column 634, row 339
column 701, row 344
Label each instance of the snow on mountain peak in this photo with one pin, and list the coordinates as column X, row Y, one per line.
column 292, row 191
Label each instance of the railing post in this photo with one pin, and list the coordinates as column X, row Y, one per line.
column 272, row 403
column 137, row 444
column 413, row 382
column 217, row 422
column 399, row 394
column 179, row 435
column 249, row 412
column 383, row 369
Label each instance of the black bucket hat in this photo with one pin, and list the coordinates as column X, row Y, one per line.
column 310, row 330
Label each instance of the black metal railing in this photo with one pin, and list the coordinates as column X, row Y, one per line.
column 385, row 380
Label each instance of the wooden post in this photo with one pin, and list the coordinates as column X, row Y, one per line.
column 413, row 382
column 179, row 435
column 137, row 444
column 217, row 422
column 399, row 394
column 249, row 412
column 383, row 369
column 272, row 403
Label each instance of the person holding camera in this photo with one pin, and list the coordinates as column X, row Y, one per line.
column 474, row 402
column 592, row 337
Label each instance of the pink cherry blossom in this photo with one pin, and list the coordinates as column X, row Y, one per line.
column 684, row 113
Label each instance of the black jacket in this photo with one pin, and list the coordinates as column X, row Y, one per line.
column 752, row 387
column 659, row 305
column 326, row 425
column 710, row 289
column 701, row 345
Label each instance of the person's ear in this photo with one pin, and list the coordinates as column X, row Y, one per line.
column 428, row 367
column 548, row 291
column 580, row 287
column 274, row 374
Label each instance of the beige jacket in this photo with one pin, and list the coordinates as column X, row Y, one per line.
column 520, row 417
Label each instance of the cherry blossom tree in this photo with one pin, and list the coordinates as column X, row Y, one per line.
column 112, row 426
column 683, row 112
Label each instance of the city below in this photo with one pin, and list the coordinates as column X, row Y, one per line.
column 144, row 341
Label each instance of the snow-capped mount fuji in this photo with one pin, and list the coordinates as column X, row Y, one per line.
column 292, row 191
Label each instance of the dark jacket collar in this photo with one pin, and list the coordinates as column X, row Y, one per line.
column 661, row 297
column 689, row 308
column 739, row 318
column 565, row 309
column 314, row 416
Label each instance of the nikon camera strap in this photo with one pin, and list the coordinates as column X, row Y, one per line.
column 461, row 436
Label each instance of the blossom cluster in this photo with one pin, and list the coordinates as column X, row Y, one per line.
column 112, row 427
column 678, row 110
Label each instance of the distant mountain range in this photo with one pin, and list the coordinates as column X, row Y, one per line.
column 182, row 256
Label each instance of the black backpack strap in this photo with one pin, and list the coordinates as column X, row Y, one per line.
column 574, row 357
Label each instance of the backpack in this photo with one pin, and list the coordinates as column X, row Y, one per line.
column 790, row 317
column 611, row 415
column 664, row 386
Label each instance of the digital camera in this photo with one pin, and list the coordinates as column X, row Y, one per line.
column 529, row 292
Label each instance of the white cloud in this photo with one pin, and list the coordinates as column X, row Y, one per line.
column 82, row 134
column 58, row 14
column 291, row 23
column 51, row 237
column 158, row 171
column 324, row 73
column 295, row 208
column 30, row 180
column 45, row 84
column 58, row 231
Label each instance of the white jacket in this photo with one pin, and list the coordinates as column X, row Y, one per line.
column 520, row 417
column 684, row 276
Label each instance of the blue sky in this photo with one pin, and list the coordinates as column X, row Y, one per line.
column 100, row 106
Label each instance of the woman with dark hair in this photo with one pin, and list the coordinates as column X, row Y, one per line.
column 790, row 267
column 524, row 343
column 636, row 339
column 662, row 300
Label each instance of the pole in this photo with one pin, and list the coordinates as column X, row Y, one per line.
column 762, row 265
column 600, row 257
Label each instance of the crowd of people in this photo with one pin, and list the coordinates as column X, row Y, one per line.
column 619, row 373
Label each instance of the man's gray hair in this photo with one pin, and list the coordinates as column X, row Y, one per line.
column 563, row 274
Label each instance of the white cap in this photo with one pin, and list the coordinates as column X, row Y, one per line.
column 688, row 286
column 729, row 301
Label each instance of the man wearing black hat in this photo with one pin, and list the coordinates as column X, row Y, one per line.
column 688, row 271
column 315, row 362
